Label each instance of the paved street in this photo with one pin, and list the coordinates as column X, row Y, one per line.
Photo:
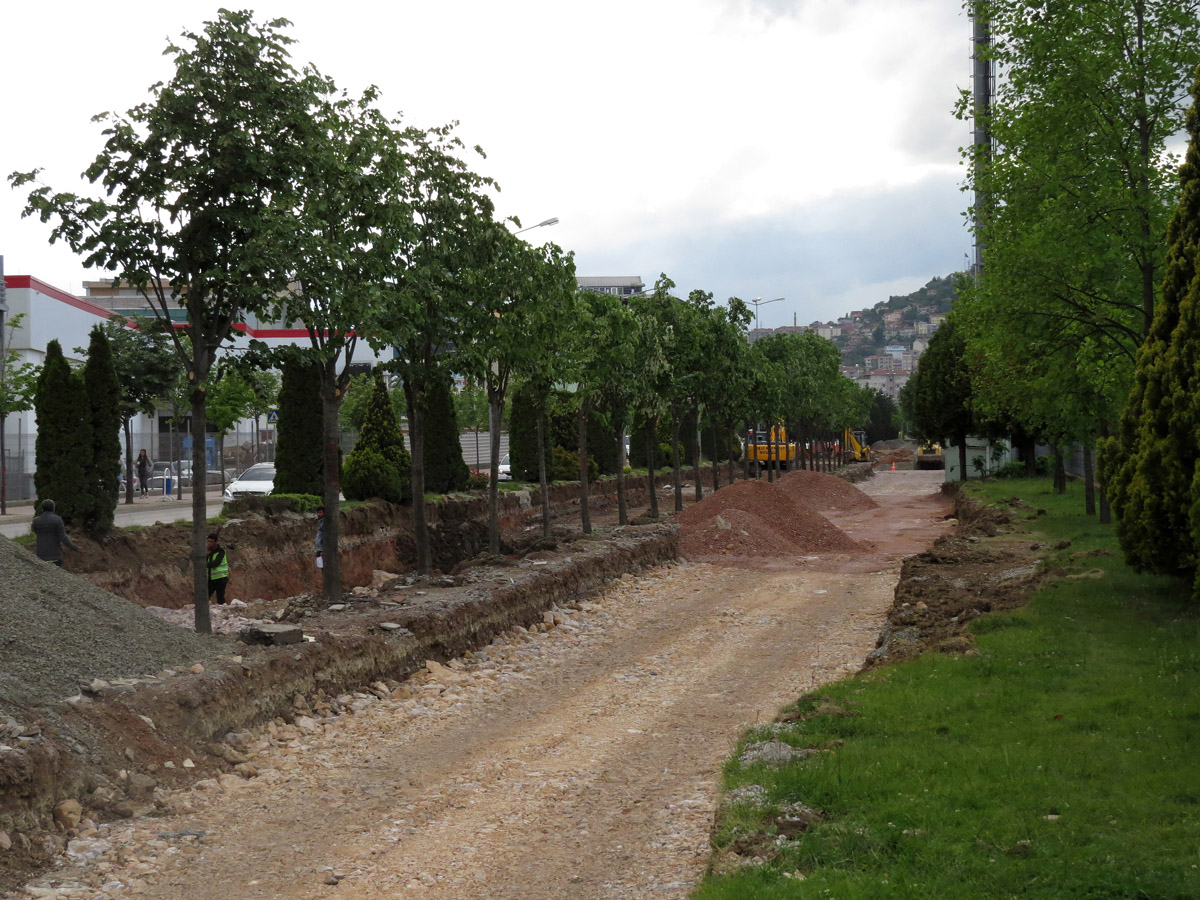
column 142, row 512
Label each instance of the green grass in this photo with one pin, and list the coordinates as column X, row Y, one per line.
column 1061, row 762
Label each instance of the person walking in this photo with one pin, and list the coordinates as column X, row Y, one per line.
column 144, row 467
column 51, row 534
column 320, row 537
column 218, row 569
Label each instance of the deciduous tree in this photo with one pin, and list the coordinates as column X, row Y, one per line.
column 199, row 201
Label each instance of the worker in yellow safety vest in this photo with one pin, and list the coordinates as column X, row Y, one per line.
column 218, row 569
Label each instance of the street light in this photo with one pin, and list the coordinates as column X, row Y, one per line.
column 759, row 301
column 538, row 225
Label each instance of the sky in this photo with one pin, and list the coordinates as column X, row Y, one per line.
column 802, row 149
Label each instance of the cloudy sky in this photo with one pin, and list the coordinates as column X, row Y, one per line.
column 801, row 149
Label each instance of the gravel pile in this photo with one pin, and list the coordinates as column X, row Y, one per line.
column 58, row 631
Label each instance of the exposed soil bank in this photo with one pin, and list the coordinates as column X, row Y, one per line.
column 272, row 556
column 108, row 747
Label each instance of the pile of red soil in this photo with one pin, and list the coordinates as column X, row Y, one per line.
column 756, row 519
column 822, row 491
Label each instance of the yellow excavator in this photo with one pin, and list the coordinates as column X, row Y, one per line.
column 765, row 446
column 855, row 446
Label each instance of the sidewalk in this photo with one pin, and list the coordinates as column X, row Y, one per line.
column 143, row 511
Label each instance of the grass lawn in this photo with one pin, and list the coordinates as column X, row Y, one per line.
column 1062, row 761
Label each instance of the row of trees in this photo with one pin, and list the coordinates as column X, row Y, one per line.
column 1079, row 318
column 246, row 186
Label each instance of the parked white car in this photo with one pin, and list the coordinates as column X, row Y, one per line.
column 504, row 473
column 257, row 481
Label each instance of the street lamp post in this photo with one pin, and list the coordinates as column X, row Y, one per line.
column 759, row 301
column 553, row 221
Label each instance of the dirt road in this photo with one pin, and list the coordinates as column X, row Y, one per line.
column 580, row 762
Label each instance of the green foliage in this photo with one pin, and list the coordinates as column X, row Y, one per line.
column 637, row 443
column 272, row 504
column 478, row 482
column 1017, row 468
column 1075, row 199
column 1152, row 467
column 471, row 407
column 104, row 397
column 564, row 466
column 522, row 432
column 937, row 398
column 63, row 451
column 884, row 424
column 299, row 462
column 379, row 465
column 18, row 380
column 368, row 473
column 445, row 470
column 355, row 401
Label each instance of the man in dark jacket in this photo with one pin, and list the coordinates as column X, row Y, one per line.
column 51, row 534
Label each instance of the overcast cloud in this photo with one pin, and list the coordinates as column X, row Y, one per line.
column 745, row 147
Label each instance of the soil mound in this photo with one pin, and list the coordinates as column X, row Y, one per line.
column 821, row 491
column 756, row 519
column 58, row 630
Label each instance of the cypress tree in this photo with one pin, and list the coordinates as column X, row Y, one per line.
column 379, row 465
column 103, row 391
column 522, row 433
column 63, row 450
column 1152, row 466
column 445, row 470
column 299, row 464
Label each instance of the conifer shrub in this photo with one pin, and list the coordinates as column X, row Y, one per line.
column 103, row 395
column 299, row 461
column 63, row 450
column 445, row 469
column 1152, row 465
column 379, row 465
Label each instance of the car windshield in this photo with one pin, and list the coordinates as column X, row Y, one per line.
column 258, row 473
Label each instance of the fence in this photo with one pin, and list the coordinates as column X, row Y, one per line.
column 237, row 452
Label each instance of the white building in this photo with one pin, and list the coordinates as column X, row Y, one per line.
column 52, row 314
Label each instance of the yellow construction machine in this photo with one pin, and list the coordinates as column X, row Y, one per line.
column 765, row 446
column 855, row 446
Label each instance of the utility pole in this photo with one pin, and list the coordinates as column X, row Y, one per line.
column 983, row 84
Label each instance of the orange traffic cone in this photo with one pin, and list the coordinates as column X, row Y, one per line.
column 893, row 465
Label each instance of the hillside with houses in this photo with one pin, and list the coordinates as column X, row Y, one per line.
column 880, row 346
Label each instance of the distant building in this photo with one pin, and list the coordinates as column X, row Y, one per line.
column 617, row 285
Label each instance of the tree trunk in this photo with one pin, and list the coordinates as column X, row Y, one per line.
column 731, row 467
column 1060, row 469
column 697, row 472
column 622, row 508
column 962, row 457
column 495, row 411
column 331, row 489
column 1089, row 480
column 585, row 517
column 651, row 462
column 416, row 437
column 1029, row 455
column 543, row 481
column 716, row 460
column 199, row 519
column 772, row 454
column 1105, row 509
column 676, row 462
